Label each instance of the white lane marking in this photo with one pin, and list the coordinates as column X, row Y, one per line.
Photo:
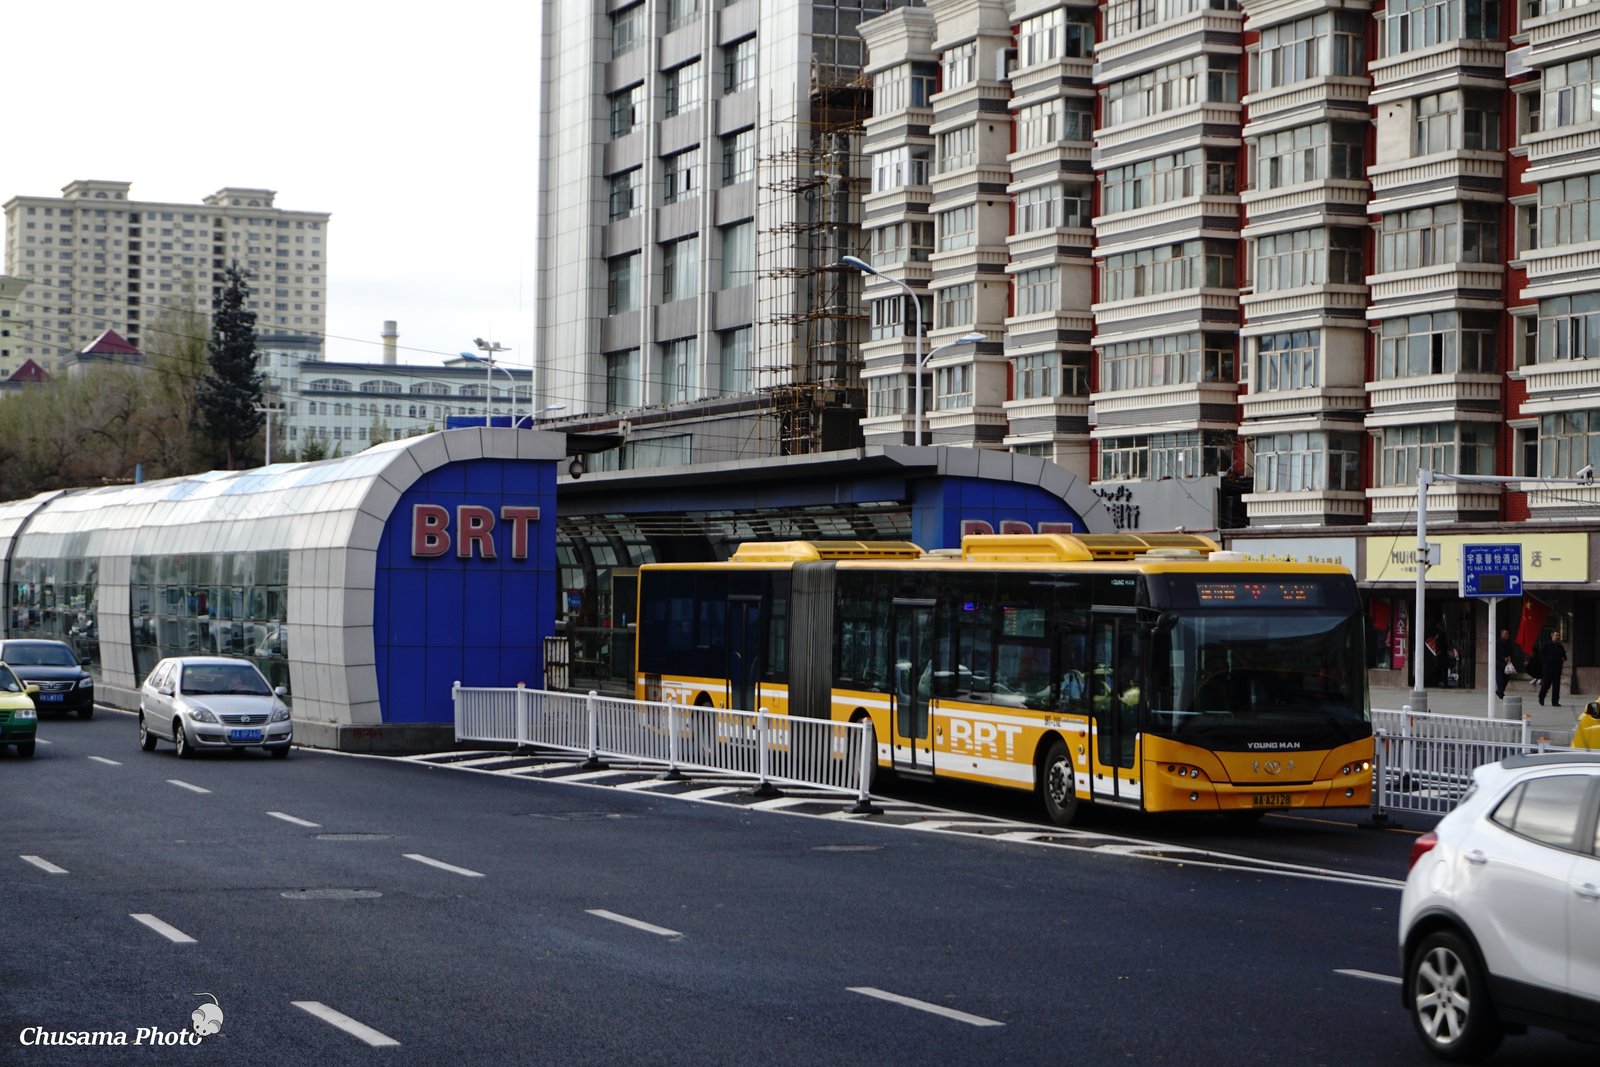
column 779, row 804
column 489, row 761
column 42, row 741
column 443, row 866
column 1370, row 976
column 186, row 785
column 707, row 794
column 637, row 924
column 345, row 1023
column 297, row 822
column 922, row 1005
column 648, row 783
column 589, row 776
column 171, row 933
column 43, row 864
column 107, row 762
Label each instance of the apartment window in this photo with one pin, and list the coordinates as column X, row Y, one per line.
column 1569, row 327
column 901, row 242
column 958, row 148
column 1176, row 359
column 1308, row 154
column 1467, row 232
column 626, row 200
column 1046, row 124
column 1444, row 342
column 1288, row 361
column 1168, row 269
column 627, row 110
column 739, row 66
column 886, row 395
column 1456, row 447
column 1046, row 207
column 1062, row 33
column 681, row 12
column 1308, row 257
column 1569, row 211
column 958, row 228
column 1038, row 291
column 622, row 283
column 1447, row 121
column 683, row 88
column 955, row 306
column 736, row 346
column 899, row 167
column 1211, row 171
column 1568, row 442
column 1311, row 47
column 1042, row 375
column 960, row 65
column 627, row 29
column 904, row 86
column 622, row 379
column 680, row 269
column 1124, row 459
column 1412, row 24
column 1199, row 79
column 1125, row 17
column 738, row 254
column 738, row 157
column 677, row 371
column 952, row 387
column 1309, row 461
column 680, row 175
column 894, row 316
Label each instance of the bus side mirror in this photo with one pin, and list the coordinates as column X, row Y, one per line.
column 1166, row 623
column 1592, row 709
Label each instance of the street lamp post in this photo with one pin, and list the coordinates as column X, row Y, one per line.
column 488, row 376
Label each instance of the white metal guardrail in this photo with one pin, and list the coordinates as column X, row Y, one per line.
column 781, row 748
column 1423, row 763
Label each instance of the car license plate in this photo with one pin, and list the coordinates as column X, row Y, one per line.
column 244, row 735
column 52, row 698
column 1269, row 800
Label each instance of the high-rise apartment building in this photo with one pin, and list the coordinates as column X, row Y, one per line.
column 94, row 260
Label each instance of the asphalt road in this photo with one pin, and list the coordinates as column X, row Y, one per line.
column 332, row 902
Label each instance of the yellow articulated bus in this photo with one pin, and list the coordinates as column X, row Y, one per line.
column 1142, row 671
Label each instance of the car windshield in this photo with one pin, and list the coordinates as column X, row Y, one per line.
column 212, row 679
column 8, row 681
column 44, row 654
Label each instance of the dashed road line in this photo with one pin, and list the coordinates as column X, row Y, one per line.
column 166, row 930
column 1371, row 976
column 443, row 866
column 297, row 822
column 107, row 762
column 185, row 785
column 922, row 1005
column 43, row 864
column 350, row 1026
column 637, row 924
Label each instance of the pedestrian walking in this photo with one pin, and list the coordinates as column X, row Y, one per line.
column 1506, row 657
column 1551, row 662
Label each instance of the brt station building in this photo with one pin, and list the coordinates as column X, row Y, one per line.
column 368, row 585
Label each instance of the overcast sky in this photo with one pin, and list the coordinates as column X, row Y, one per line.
column 381, row 114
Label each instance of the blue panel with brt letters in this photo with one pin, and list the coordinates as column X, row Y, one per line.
column 467, row 555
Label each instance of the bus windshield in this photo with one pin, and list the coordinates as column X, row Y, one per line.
column 1245, row 676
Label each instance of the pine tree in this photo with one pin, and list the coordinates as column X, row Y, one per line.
column 228, row 397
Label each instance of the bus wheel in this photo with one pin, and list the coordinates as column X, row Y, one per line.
column 1056, row 786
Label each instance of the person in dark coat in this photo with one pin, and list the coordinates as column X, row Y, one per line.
column 1551, row 662
column 1506, row 657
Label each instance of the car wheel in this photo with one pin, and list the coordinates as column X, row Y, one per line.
column 1449, row 999
column 180, row 740
column 86, row 712
column 25, row 749
column 280, row 753
column 1057, row 787
column 147, row 740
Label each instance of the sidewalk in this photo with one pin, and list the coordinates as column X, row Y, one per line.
column 1557, row 723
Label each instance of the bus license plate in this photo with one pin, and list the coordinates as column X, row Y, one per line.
column 244, row 735
column 1270, row 800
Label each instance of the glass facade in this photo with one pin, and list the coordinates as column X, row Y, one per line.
column 225, row 605
column 56, row 598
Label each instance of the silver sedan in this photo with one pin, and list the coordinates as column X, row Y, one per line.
column 214, row 703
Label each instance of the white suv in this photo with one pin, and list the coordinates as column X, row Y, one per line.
column 1500, row 918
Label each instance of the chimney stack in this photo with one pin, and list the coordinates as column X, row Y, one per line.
column 391, row 340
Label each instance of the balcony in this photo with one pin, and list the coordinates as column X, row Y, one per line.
column 1398, row 402
column 1397, row 78
column 1314, row 405
column 1435, row 178
column 1436, row 287
column 1311, row 507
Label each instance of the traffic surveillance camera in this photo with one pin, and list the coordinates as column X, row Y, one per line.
column 1586, row 472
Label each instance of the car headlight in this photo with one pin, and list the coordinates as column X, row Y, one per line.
column 200, row 714
column 23, row 713
column 280, row 714
column 87, row 683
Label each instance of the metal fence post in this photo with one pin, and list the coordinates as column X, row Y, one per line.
column 869, row 763
column 672, row 773
column 521, row 712
column 764, row 788
column 1527, row 730
column 455, row 700
column 593, row 763
column 1378, row 819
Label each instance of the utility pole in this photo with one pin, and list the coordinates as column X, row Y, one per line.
column 269, row 410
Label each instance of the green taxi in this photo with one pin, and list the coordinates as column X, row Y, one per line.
column 19, row 724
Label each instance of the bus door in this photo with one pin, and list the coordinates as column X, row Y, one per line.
column 912, row 645
column 1117, row 685
column 744, row 651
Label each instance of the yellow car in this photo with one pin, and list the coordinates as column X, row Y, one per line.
column 1587, row 735
column 19, row 724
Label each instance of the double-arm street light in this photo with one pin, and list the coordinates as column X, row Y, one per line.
column 921, row 361
column 491, row 347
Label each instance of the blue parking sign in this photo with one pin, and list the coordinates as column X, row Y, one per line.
column 1491, row 570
